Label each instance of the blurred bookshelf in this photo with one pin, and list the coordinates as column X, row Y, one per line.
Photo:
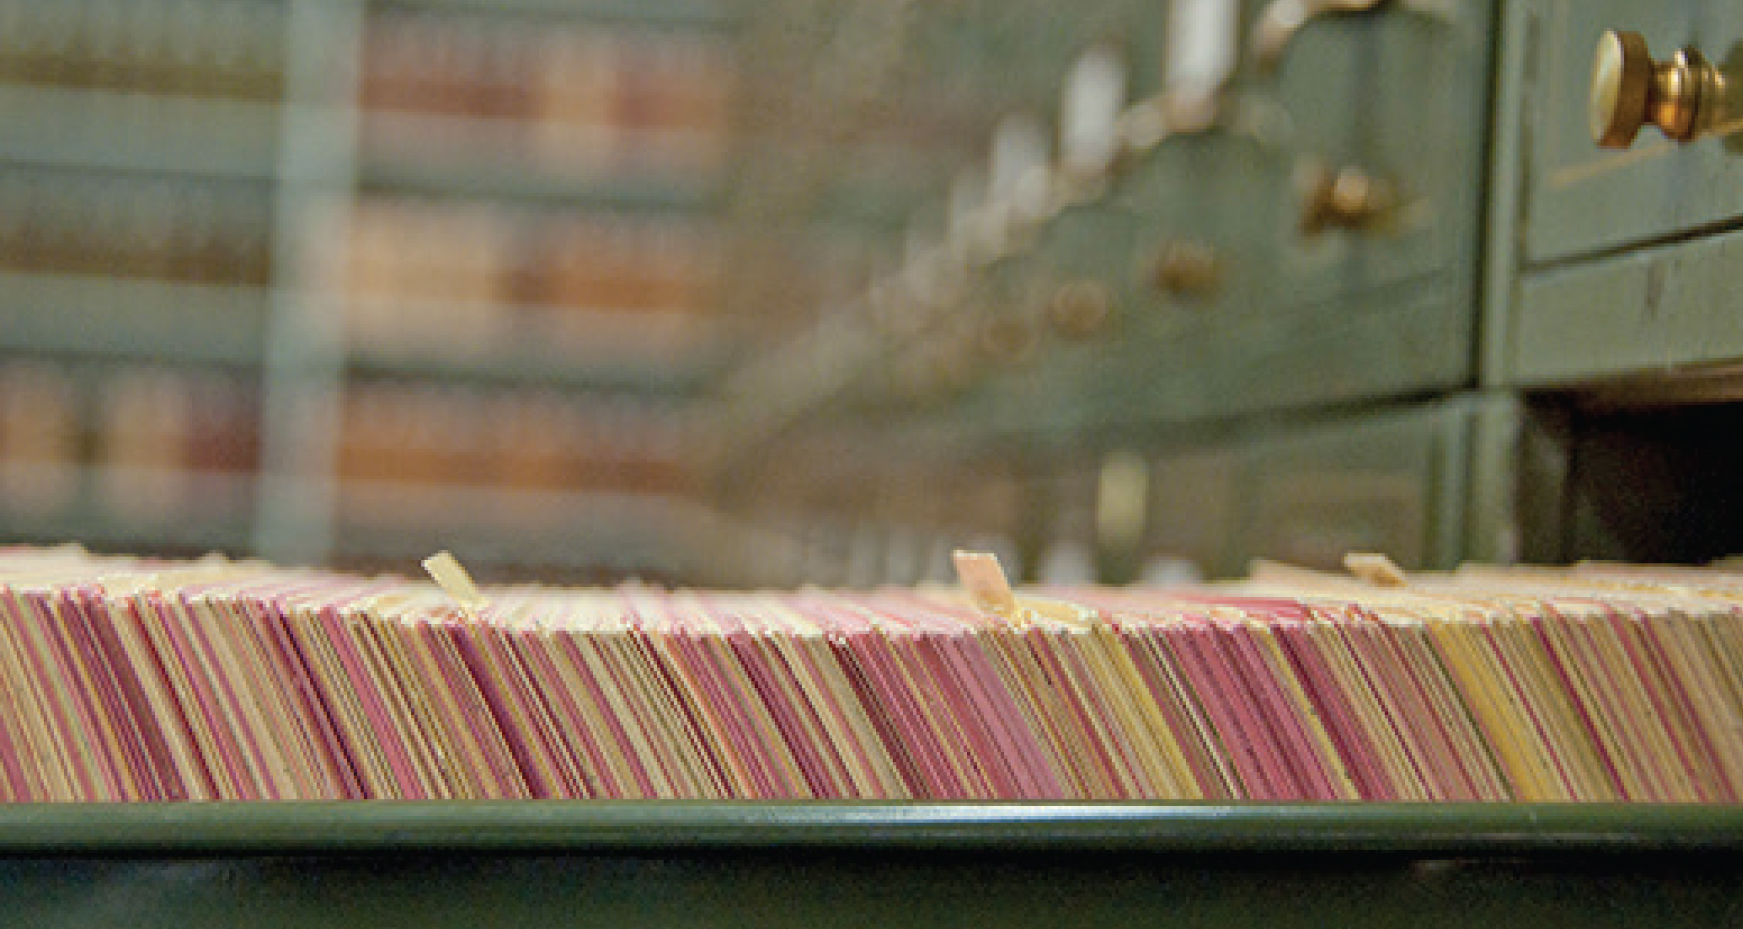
column 344, row 281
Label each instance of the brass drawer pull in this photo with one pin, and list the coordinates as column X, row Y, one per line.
column 1350, row 200
column 1185, row 270
column 1684, row 97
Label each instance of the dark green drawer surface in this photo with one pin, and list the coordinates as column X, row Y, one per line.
column 676, row 864
column 372, row 827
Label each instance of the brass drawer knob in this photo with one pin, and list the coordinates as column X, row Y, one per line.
column 1009, row 340
column 1683, row 97
column 1349, row 200
column 1185, row 270
column 1081, row 309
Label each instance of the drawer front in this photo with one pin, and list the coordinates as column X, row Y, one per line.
column 1367, row 485
column 1192, row 520
column 1430, row 96
column 1217, row 194
column 1390, row 342
column 1399, row 97
column 1428, row 485
column 1294, row 317
column 1310, row 106
column 1584, row 199
column 1655, row 310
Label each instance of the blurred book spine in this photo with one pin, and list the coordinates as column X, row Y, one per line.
column 206, row 48
column 181, row 230
column 572, row 99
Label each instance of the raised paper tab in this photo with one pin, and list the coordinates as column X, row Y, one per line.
column 1375, row 569
column 985, row 581
column 449, row 575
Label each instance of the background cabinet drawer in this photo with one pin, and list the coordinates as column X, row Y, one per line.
column 1370, row 484
column 1399, row 96
column 1428, row 484
column 1582, row 198
column 1653, row 311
